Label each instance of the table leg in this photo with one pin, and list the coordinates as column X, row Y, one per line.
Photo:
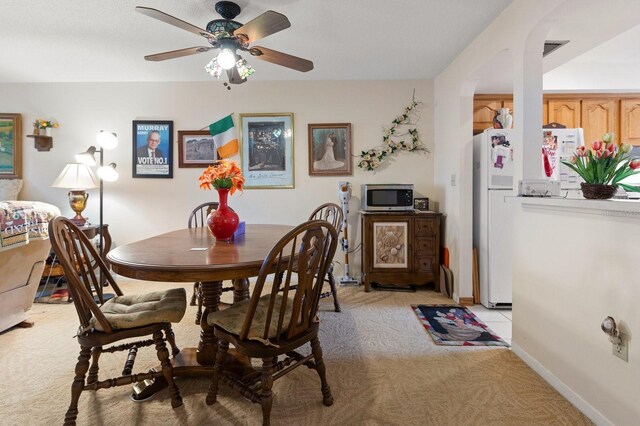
column 208, row 346
column 240, row 289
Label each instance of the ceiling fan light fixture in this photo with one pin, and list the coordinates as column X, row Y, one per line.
column 244, row 69
column 226, row 59
column 213, row 68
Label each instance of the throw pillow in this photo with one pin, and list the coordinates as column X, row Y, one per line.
column 9, row 189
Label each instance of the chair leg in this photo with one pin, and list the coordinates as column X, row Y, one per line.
column 167, row 369
column 212, row 395
column 171, row 338
column 78, row 384
column 93, row 370
column 199, row 299
column 332, row 284
column 194, row 295
column 266, row 396
column 327, row 399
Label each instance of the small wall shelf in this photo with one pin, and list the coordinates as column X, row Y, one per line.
column 41, row 142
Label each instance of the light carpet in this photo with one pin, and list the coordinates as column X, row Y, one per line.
column 382, row 368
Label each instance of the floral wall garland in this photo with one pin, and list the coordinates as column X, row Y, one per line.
column 394, row 139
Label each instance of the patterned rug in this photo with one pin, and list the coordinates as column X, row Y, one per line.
column 454, row 325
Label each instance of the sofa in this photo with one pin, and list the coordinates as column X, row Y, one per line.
column 24, row 248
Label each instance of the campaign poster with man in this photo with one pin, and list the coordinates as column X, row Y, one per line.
column 153, row 149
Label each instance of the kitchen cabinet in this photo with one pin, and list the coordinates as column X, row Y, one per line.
column 599, row 116
column 400, row 249
column 483, row 112
column 565, row 111
column 630, row 121
column 596, row 113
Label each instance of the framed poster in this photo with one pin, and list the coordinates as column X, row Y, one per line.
column 152, row 149
column 10, row 146
column 196, row 148
column 330, row 149
column 267, row 150
column 390, row 245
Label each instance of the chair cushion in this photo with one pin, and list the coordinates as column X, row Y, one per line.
column 231, row 319
column 137, row 310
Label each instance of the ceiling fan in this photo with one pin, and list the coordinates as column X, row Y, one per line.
column 231, row 37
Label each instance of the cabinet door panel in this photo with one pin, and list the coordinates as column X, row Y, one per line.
column 483, row 113
column 425, row 246
column 599, row 116
column 565, row 112
column 425, row 227
column 630, row 121
column 425, row 264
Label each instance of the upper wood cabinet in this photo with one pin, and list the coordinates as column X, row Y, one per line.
column 630, row 121
column 599, row 116
column 483, row 112
column 565, row 111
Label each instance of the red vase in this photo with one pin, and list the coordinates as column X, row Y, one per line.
column 223, row 222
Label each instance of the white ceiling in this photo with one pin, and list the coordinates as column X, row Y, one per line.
column 603, row 53
column 105, row 40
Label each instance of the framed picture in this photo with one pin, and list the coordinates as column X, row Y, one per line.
column 152, row 149
column 10, row 146
column 421, row 204
column 330, row 149
column 267, row 150
column 196, row 148
column 390, row 245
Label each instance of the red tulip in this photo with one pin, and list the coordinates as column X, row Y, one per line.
column 581, row 151
column 635, row 164
column 607, row 153
column 612, row 147
column 596, row 145
column 599, row 154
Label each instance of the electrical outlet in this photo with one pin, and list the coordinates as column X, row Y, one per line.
column 621, row 350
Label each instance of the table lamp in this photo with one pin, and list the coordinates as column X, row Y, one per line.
column 77, row 177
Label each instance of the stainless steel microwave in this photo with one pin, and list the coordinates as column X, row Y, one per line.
column 387, row 197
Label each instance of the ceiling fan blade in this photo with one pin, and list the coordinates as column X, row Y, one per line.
column 280, row 58
column 264, row 25
column 177, row 53
column 234, row 76
column 172, row 20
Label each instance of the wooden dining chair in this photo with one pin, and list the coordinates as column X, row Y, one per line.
column 104, row 322
column 332, row 213
column 198, row 218
column 281, row 320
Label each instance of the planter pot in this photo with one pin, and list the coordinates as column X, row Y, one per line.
column 48, row 131
column 223, row 222
column 597, row 191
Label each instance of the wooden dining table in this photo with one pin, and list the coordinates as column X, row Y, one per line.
column 192, row 255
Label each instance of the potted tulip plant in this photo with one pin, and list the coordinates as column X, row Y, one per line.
column 226, row 177
column 603, row 167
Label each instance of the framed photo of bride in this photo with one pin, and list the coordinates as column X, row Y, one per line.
column 330, row 149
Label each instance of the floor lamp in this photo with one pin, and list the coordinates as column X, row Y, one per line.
column 105, row 140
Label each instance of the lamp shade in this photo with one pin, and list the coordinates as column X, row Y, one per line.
column 87, row 157
column 108, row 173
column 76, row 176
column 107, row 140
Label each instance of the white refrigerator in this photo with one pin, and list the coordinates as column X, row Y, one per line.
column 557, row 145
column 493, row 180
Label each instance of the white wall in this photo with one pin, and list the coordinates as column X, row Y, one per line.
column 559, row 300
column 139, row 208
column 571, row 270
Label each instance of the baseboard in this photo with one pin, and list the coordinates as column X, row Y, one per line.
column 466, row 301
column 564, row 390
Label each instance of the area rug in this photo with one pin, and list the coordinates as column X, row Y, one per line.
column 453, row 325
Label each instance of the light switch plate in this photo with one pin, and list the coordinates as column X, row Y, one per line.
column 621, row 350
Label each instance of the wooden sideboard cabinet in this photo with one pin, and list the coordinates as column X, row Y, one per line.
column 400, row 249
